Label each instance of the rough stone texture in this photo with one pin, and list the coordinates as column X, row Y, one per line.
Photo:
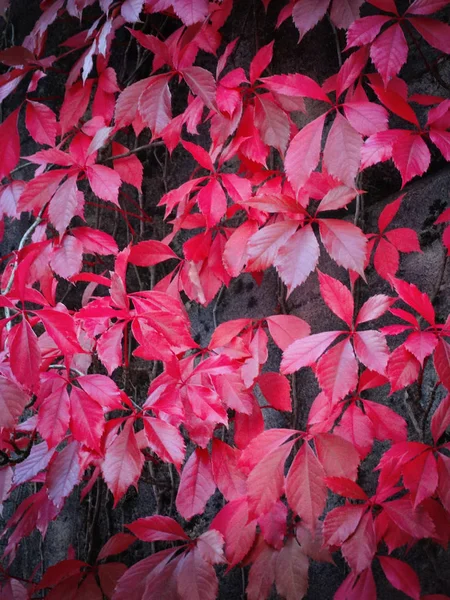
column 315, row 56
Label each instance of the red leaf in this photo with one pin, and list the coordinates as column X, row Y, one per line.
column 25, row 356
column 421, row 344
column 264, row 245
column 436, row 33
column 305, row 352
column 351, row 70
column 416, row 299
column 63, row 474
column 426, row 7
column 130, row 168
column 202, row 84
column 200, row 155
column 374, row 308
column 338, row 457
column 441, row 419
column 212, row 202
column 105, row 183
column 346, row 487
column 196, row 484
column 260, row 62
column 420, row 477
column 389, row 52
column 123, row 462
column 359, row 549
column 365, row 30
column 273, row 525
column 305, row 487
column 285, row 329
column 441, row 359
column 41, row 123
column 401, row 576
column 266, row 480
column 291, row 571
column 340, row 523
column 157, row 528
column 228, row 477
column 276, row 389
column 345, row 243
column 95, row 241
column 337, row 371
column 388, row 213
column 75, row 103
column 86, row 419
column 155, row 104
column 372, row 350
column 109, row 347
column 150, row 253
column 60, row 327
column 239, row 533
column 404, row 239
column 196, row 578
column 10, row 147
column 116, row 544
column 342, row 153
column 337, row 297
column 295, row 85
column 411, row 156
column 53, row 415
column 165, row 440
column 303, row 153
column 64, row 204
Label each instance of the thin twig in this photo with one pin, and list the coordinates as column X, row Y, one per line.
column 134, row 151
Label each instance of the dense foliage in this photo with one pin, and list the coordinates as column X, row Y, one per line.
column 265, row 193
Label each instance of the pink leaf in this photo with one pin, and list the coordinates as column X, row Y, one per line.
column 298, row 257
column 337, row 297
column 260, row 62
column 345, row 243
column 10, row 147
column 285, row 329
column 303, row 153
column 337, row 371
column 41, row 123
column 276, row 389
column 305, row 487
column 105, row 183
column 165, row 440
column 305, row 352
column 342, row 153
column 86, row 419
column 389, row 52
column 123, row 462
column 411, row 157
column 307, row 13
column 157, row 528
column 63, row 206
column 291, row 571
column 436, row 33
column 265, row 482
column 63, row 474
column 196, row 484
column 401, row 576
